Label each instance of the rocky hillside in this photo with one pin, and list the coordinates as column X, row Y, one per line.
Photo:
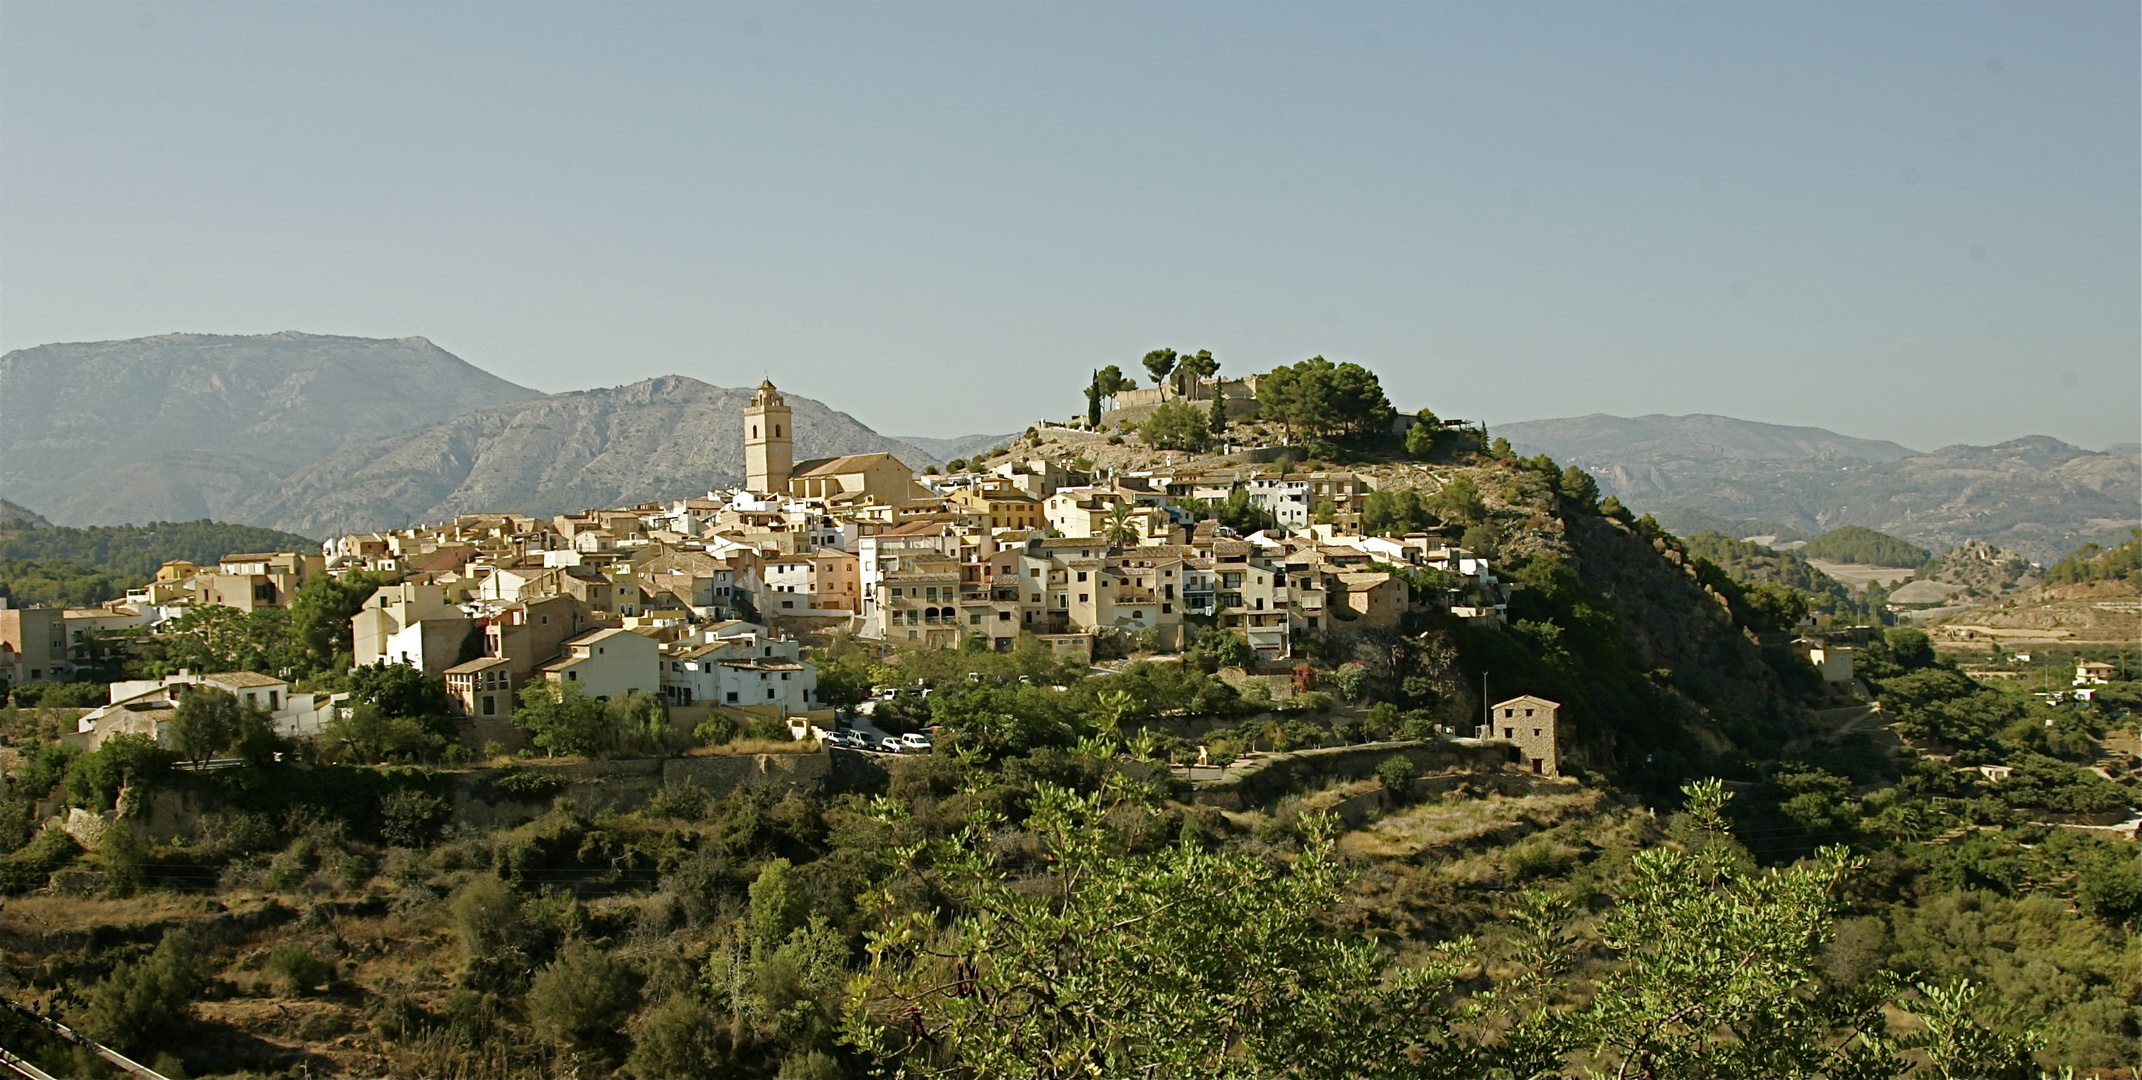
column 663, row 437
column 185, row 426
column 1615, row 617
column 2037, row 496
column 12, row 512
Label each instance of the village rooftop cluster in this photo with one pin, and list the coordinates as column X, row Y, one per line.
column 706, row 600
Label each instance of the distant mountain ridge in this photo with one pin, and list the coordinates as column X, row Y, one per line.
column 1657, row 437
column 2035, row 495
column 659, row 438
column 963, row 446
column 184, row 426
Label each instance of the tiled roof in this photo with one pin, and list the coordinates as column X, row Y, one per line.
column 844, row 464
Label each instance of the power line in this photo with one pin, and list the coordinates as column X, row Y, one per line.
column 126, row 1064
column 23, row 1067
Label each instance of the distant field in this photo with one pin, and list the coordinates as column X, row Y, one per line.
column 1857, row 575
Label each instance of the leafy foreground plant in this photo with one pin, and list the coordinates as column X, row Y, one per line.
column 1089, row 957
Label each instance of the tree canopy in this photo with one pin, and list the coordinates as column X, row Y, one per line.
column 1176, row 425
column 1859, row 544
column 1322, row 399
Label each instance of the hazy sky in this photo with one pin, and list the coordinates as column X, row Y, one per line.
column 1913, row 221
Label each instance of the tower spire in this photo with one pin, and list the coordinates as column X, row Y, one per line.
column 769, row 441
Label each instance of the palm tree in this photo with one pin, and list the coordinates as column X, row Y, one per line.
column 1122, row 529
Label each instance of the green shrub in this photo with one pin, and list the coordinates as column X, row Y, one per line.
column 486, row 917
column 354, row 870
column 142, row 1005
column 295, row 966
column 1396, row 773
column 1382, row 722
column 2111, row 886
column 718, row 727
column 124, row 858
column 411, row 818
column 678, row 799
column 33, row 865
column 1528, row 860
column 579, row 1002
column 768, row 728
column 529, row 785
column 291, row 866
column 681, row 1037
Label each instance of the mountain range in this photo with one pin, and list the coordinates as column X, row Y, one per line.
column 658, row 438
column 2036, row 495
column 184, row 426
column 319, row 435
column 963, row 446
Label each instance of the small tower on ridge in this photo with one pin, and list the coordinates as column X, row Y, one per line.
column 769, row 442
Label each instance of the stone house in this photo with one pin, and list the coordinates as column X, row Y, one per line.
column 1529, row 723
column 251, row 582
column 33, row 644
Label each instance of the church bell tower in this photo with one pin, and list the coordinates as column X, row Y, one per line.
column 769, row 442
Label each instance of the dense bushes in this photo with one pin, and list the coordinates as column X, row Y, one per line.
column 562, row 719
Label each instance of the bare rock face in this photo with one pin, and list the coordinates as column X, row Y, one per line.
column 660, row 438
column 184, row 426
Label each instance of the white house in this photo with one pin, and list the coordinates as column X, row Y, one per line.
column 608, row 663
column 742, row 667
column 146, row 706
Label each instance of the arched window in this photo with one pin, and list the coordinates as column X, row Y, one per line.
column 754, row 431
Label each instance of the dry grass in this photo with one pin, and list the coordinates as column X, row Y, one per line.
column 41, row 915
column 1427, row 826
column 1857, row 575
column 757, row 746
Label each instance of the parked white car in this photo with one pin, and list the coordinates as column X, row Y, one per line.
column 915, row 741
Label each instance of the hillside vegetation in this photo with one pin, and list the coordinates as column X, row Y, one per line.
column 2093, row 563
column 1749, row 562
column 1685, row 521
column 1859, row 544
column 82, row 567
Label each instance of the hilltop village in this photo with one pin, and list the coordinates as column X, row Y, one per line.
column 708, row 600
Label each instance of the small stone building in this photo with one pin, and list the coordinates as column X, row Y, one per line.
column 1529, row 722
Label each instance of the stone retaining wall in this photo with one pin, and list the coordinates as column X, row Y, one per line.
column 1269, row 776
